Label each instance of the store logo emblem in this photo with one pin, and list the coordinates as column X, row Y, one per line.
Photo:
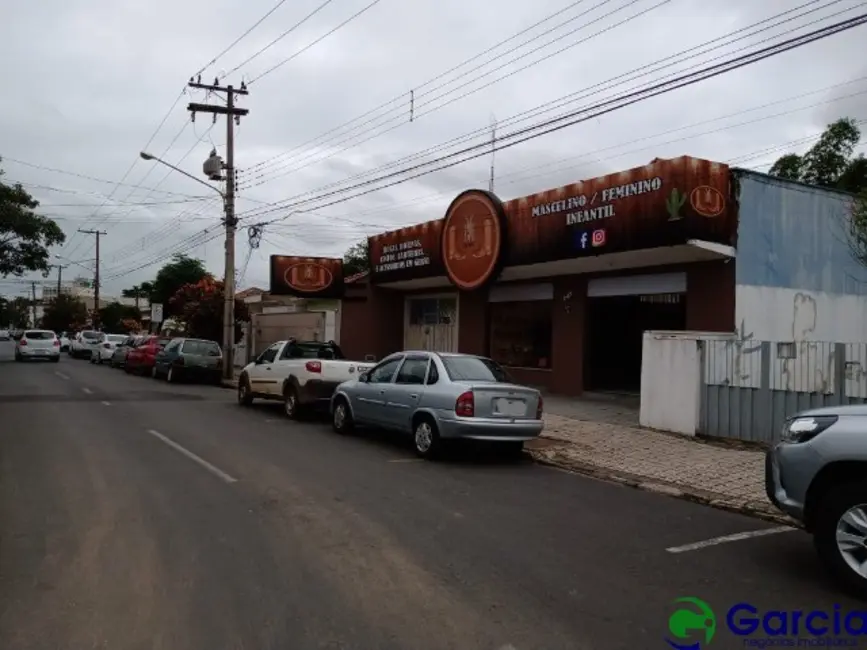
column 598, row 238
column 687, row 623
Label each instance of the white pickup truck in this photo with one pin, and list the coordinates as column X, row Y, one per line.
column 300, row 373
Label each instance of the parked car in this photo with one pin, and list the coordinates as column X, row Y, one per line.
column 118, row 357
column 64, row 341
column 189, row 359
column 438, row 396
column 105, row 347
column 5, row 335
column 818, row 475
column 301, row 373
column 140, row 359
column 37, row 344
column 84, row 343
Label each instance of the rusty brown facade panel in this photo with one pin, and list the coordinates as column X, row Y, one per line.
column 710, row 297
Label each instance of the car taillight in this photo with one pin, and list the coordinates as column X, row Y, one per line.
column 56, row 343
column 539, row 409
column 465, row 406
column 23, row 342
column 313, row 366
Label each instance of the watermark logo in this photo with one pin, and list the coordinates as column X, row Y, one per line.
column 692, row 625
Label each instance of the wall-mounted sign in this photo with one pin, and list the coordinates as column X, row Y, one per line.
column 473, row 238
column 314, row 277
column 406, row 254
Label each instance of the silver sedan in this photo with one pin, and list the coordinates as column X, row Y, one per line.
column 439, row 396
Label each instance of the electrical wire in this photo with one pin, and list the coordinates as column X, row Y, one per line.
column 632, row 75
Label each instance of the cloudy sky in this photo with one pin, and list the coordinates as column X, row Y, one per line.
column 363, row 89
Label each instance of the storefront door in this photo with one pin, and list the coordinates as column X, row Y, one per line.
column 431, row 323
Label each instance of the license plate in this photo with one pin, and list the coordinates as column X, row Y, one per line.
column 512, row 407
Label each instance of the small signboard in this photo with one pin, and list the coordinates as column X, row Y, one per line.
column 156, row 313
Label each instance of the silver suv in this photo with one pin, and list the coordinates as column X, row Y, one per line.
column 818, row 476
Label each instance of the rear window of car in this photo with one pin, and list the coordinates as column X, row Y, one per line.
column 201, row 348
column 91, row 336
column 474, row 369
column 116, row 338
column 312, row 350
column 161, row 343
column 37, row 335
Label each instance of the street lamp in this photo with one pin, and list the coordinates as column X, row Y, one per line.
column 212, row 168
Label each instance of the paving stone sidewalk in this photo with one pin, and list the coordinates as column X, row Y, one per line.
column 732, row 479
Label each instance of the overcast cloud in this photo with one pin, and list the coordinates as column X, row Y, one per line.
column 91, row 79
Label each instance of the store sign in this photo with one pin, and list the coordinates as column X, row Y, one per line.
column 661, row 204
column 406, row 254
column 314, row 277
column 472, row 239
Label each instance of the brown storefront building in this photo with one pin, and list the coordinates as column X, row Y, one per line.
column 557, row 286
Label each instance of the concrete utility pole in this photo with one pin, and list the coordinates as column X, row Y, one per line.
column 233, row 116
column 33, row 304
column 95, row 319
column 59, row 268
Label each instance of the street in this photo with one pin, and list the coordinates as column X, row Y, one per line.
column 138, row 514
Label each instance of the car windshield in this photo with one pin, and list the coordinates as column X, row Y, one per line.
column 116, row 338
column 91, row 336
column 474, row 369
column 37, row 335
column 201, row 348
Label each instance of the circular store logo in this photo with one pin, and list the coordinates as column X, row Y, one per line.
column 473, row 239
column 707, row 201
column 308, row 277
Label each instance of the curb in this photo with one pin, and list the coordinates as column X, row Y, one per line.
column 756, row 510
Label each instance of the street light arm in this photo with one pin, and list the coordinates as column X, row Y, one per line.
column 149, row 156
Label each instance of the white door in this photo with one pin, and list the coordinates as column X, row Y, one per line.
column 262, row 377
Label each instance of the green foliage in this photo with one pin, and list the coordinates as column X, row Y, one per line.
column 356, row 259
column 25, row 237
column 181, row 271
column 139, row 291
column 64, row 314
column 14, row 313
column 200, row 307
column 113, row 315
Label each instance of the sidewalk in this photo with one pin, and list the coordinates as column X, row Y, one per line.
column 731, row 479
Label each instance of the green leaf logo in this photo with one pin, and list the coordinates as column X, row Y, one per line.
column 688, row 622
column 674, row 203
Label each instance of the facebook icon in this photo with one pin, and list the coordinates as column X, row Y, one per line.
column 580, row 239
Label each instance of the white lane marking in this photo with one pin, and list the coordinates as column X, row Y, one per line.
column 61, row 375
column 106, row 403
column 725, row 539
column 87, row 390
column 197, row 459
column 406, row 460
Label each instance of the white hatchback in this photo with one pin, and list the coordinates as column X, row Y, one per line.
column 38, row 344
column 106, row 345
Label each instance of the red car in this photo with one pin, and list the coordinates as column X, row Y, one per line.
column 140, row 359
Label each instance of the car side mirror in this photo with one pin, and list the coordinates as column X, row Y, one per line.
column 363, row 377
column 259, row 361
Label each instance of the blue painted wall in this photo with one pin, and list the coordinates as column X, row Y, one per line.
column 792, row 236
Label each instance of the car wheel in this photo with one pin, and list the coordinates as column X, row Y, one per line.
column 154, row 373
column 840, row 534
column 18, row 358
column 170, row 375
column 426, row 438
column 245, row 395
column 341, row 419
column 291, row 405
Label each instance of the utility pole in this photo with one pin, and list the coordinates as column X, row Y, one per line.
column 493, row 152
column 33, row 303
column 233, row 116
column 97, row 234
column 59, row 268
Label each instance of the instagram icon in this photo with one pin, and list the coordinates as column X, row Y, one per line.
column 598, row 237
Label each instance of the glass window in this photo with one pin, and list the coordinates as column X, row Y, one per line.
column 201, row 348
column 162, row 343
column 116, row 338
column 174, row 345
column 311, row 350
column 269, row 354
column 382, row 374
column 521, row 333
column 461, row 368
column 38, row 335
column 413, row 371
column 91, row 336
column 434, row 374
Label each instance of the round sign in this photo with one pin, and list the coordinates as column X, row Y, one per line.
column 707, row 201
column 308, row 277
column 473, row 239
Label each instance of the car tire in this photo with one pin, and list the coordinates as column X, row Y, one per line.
column 170, row 375
column 341, row 417
column 291, row 403
column 426, row 438
column 154, row 373
column 245, row 393
column 834, row 507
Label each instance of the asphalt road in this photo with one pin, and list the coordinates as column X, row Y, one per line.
column 138, row 514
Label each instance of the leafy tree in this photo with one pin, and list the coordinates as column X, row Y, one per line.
column 356, row 259
column 181, row 271
column 114, row 314
column 25, row 237
column 14, row 313
column 64, row 313
column 138, row 292
column 200, row 307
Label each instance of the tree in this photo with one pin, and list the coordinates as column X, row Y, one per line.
column 25, row 237
column 64, row 313
column 114, row 315
column 356, row 259
column 200, row 307
column 181, row 271
column 14, row 313
column 829, row 162
column 138, row 292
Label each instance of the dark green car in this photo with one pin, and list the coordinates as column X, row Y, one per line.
column 190, row 360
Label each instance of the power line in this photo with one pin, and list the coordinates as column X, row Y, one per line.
column 633, row 75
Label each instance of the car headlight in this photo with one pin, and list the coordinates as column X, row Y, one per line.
column 806, row 428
